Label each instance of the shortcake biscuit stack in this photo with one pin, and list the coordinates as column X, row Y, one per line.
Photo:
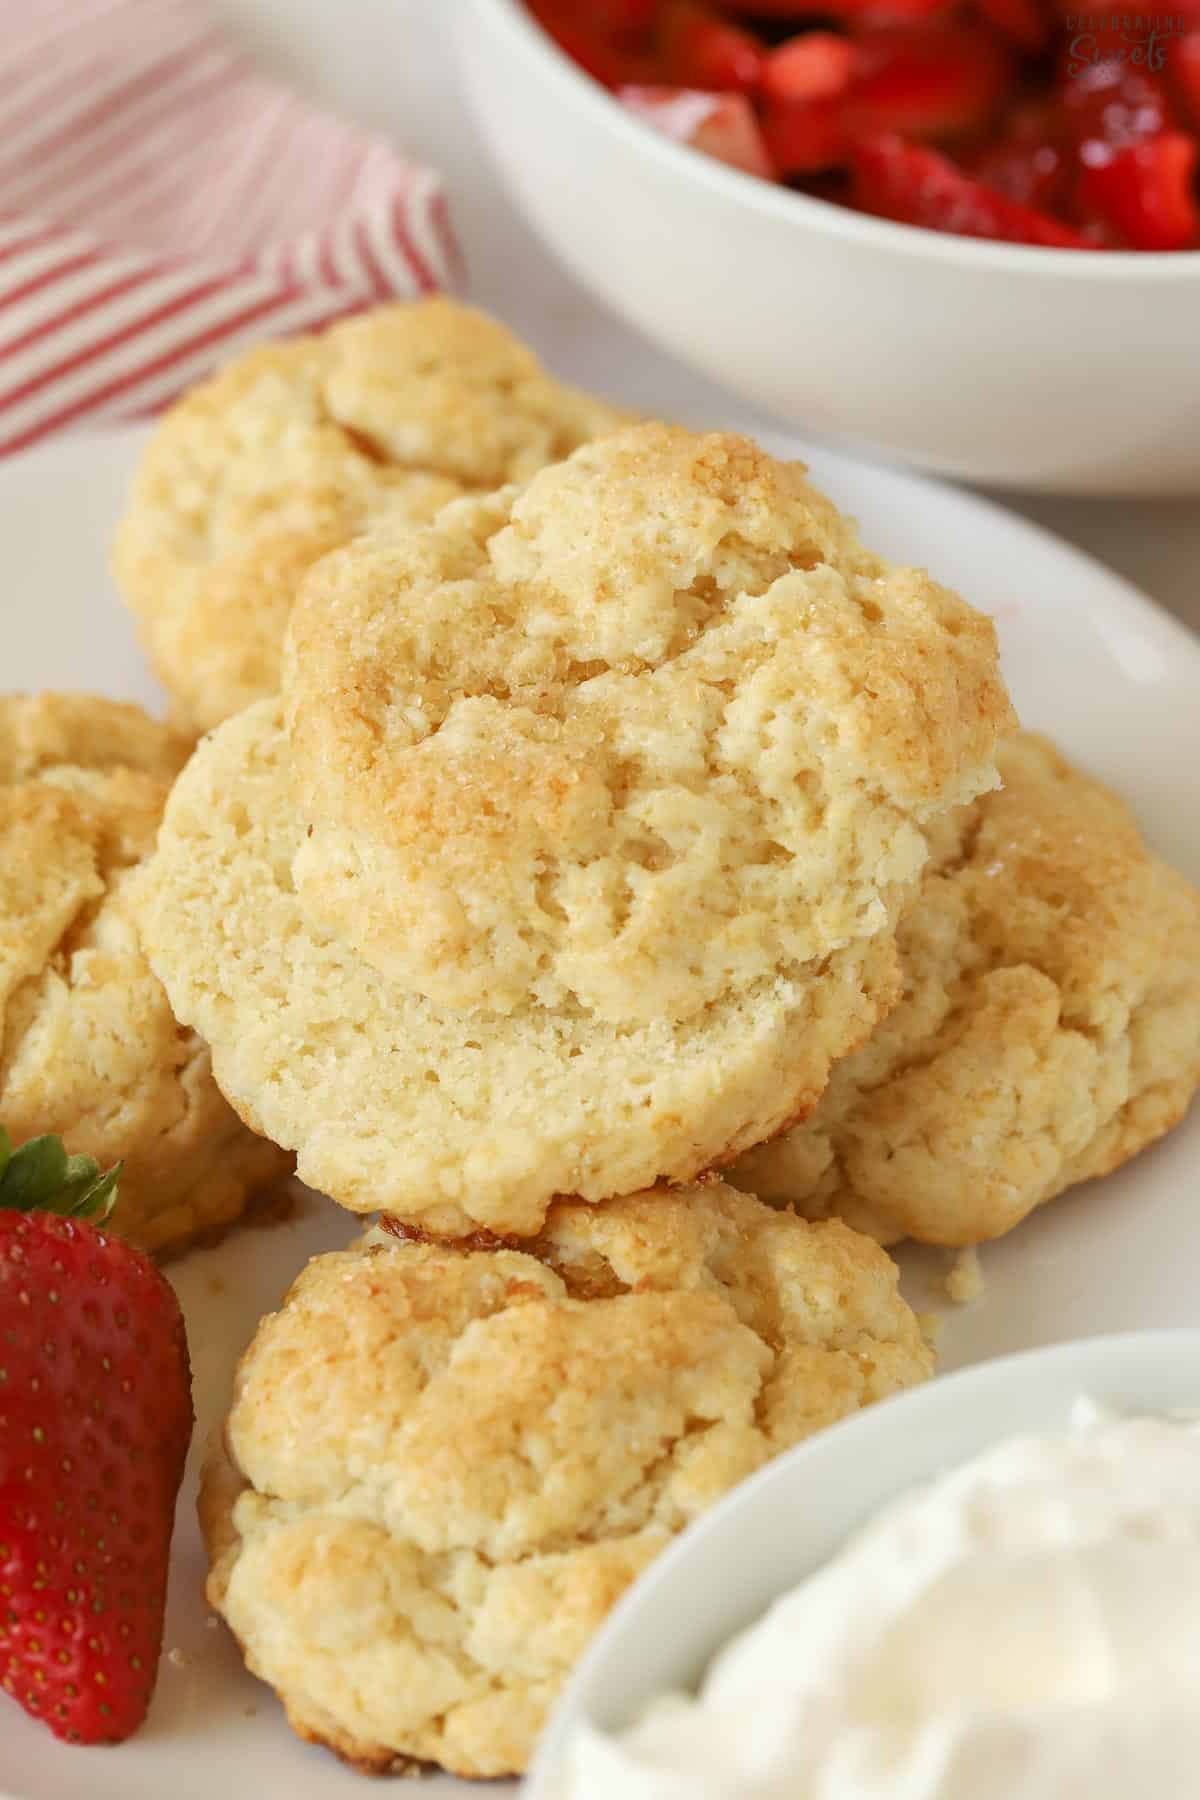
column 568, row 862
column 570, row 859
column 589, row 811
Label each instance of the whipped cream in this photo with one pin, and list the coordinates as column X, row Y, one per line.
column 1028, row 1625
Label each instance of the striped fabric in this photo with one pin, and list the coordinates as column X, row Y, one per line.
column 163, row 204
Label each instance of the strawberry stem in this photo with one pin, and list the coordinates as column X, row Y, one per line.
column 41, row 1177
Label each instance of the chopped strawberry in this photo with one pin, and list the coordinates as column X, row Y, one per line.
column 97, row 1414
column 916, row 186
column 699, row 49
column 767, row 9
column 722, row 125
column 815, row 66
column 1026, row 23
column 941, row 82
column 911, row 12
column 807, row 138
column 1145, row 191
column 1115, row 104
column 598, row 55
column 1039, row 101
column 1027, row 163
column 1184, row 65
column 623, row 18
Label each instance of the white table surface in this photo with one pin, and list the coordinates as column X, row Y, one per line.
column 389, row 64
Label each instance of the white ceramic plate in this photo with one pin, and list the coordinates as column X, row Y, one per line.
column 788, row 1521
column 1086, row 657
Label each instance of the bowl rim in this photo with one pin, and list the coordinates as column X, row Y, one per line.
column 771, row 200
column 1127, row 1359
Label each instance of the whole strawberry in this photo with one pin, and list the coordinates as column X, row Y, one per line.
column 95, row 1420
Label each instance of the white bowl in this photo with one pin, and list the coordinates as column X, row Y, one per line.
column 1055, row 369
column 794, row 1515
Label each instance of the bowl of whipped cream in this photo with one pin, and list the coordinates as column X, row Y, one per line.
column 985, row 1588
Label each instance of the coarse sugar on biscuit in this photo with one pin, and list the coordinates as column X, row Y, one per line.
column 293, row 449
column 442, row 1467
column 89, row 1048
column 1049, row 1028
column 452, row 1119
column 649, row 732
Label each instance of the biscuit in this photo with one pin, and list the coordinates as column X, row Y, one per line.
column 89, row 1048
column 452, row 1119
column 293, row 449
column 647, row 733
column 443, row 1466
column 1049, row 1029
column 458, row 1116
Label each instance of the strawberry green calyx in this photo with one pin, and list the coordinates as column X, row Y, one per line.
column 41, row 1177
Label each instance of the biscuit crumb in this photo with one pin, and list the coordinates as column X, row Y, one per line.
column 964, row 1277
column 932, row 1326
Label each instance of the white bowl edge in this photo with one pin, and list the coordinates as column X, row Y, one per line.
column 724, row 1571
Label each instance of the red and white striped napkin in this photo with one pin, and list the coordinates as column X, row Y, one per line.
column 162, row 204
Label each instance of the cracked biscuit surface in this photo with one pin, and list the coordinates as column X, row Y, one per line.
column 650, row 731
column 629, row 1027
column 452, row 1119
column 1048, row 1031
column 89, row 1048
column 443, row 1466
column 293, row 449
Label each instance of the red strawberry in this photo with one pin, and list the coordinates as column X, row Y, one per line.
column 598, row 54
column 934, row 83
column 916, row 186
column 625, row 18
column 1027, row 161
column 699, row 49
column 95, row 1419
column 805, row 139
column 1115, row 104
column 1145, row 191
column 1184, row 63
column 910, row 12
column 815, row 66
column 1026, row 22
column 722, row 125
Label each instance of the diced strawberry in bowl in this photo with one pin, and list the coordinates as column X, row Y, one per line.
column 1145, row 192
column 788, row 92
column 723, row 126
column 700, row 49
column 916, row 186
column 818, row 65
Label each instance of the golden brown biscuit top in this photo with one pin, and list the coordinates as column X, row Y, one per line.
column 44, row 732
column 1049, row 1026
column 634, row 737
column 441, row 387
column 617, row 1375
column 406, row 405
column 82, row 787
column 1054, row 874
